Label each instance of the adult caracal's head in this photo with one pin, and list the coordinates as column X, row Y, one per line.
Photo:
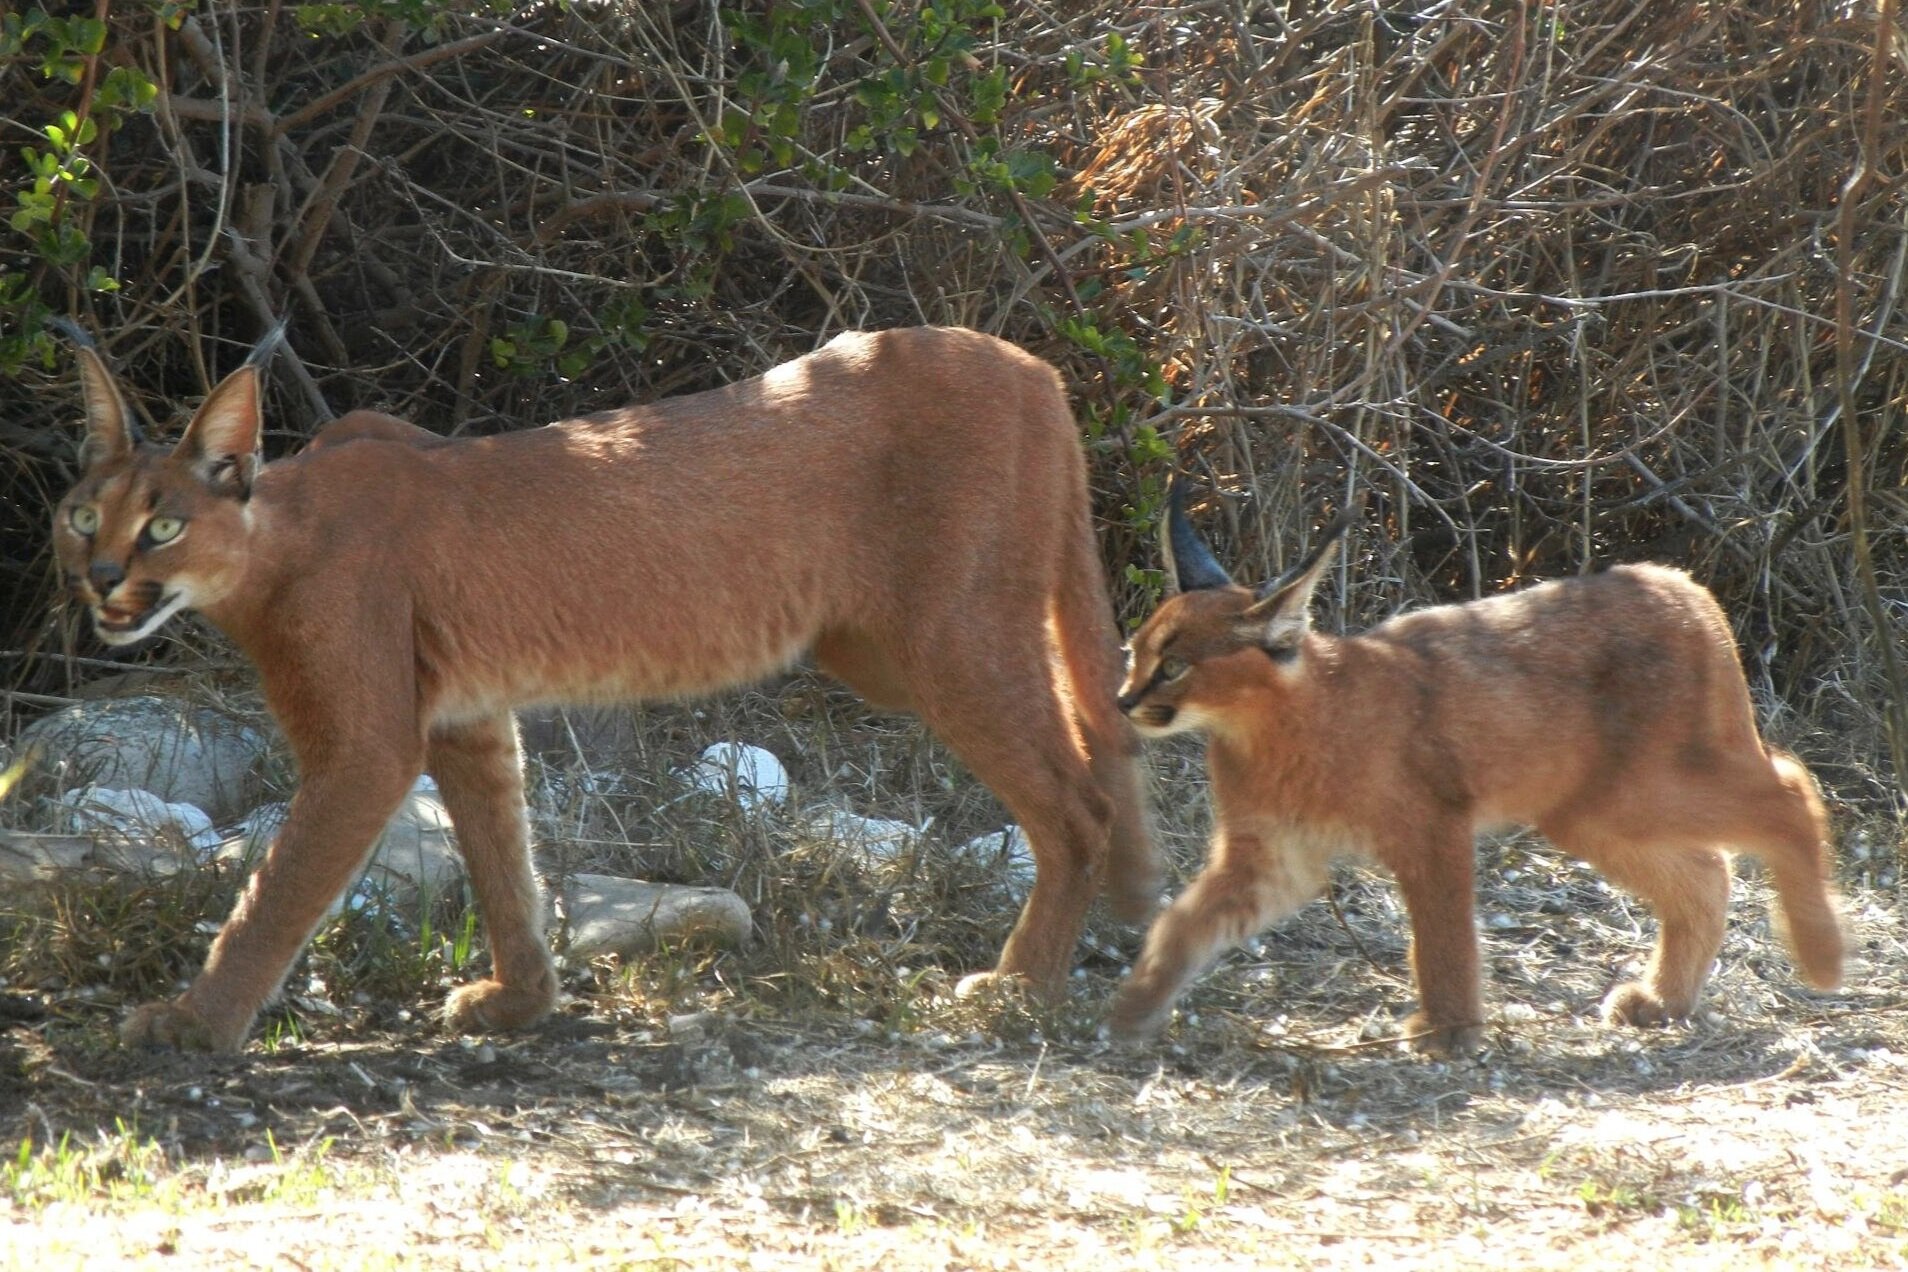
column 151, row 530
column 1193, row 659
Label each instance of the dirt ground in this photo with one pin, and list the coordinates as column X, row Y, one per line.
column 1272, row 1126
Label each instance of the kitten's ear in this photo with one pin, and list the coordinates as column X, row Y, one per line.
column 221, row 444
column 1282, row 614
column 111, row 434
column 1190, row 564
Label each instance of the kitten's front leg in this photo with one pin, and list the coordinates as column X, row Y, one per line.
column 1438, row 883
column 1254, row 879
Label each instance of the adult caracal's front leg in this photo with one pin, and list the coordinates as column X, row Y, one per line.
column 334, row 819
column 479, row 771
column 358, row 754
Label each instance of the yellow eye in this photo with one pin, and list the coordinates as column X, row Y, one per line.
column 84, row 519
column 164, row 529
column 1173, row 668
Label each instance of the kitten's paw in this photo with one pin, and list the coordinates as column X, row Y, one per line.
column 1636, row 1004
column 485, row 1006
column 173, row 1024
column 1444, row 1042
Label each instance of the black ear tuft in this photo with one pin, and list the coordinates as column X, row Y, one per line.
column 1307, row 572
column 81, row 338
column 268, row 345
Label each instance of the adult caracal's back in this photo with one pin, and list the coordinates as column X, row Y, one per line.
column 909, row 505
column 1607, row 711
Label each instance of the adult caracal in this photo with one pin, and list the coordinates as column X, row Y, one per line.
column 910, row 505
column 1609, row 712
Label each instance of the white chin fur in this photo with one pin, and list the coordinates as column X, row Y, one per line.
column 152, row 623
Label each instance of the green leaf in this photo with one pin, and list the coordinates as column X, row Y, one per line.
column 88, row 35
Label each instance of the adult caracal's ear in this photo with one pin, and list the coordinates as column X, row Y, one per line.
column 221, row 444
column 1283, row 613
column 1190, row 564
column 111, row 433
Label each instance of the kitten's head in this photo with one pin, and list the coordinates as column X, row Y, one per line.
column 1192, row 662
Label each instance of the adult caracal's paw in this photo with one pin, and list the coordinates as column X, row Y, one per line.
column 1634, row 1003
column 1444, row 1042
column 173, row 1024
column 485, row 1006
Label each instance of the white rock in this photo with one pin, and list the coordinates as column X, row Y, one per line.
column 611, row 915
column 415, row 858
column 183, row 754
column 1008, row 853
column 417, row 854
column 753, row 775
column 138, row 815
column 875, row 839
column 27, row 859
column 255, row 831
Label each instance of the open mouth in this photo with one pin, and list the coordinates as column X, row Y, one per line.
column 120, row 624
column 113, row 618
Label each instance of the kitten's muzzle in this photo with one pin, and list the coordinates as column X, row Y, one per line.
column 1149, row 715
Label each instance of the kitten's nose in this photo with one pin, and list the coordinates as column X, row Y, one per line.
column 105, row 576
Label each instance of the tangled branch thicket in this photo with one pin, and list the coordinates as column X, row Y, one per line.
column 1551, row 285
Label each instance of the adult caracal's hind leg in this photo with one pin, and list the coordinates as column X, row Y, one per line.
column 479, row 771
column 997, row 708
column 1002, row 717
column 1648, row 844
column 340, row 807
column 1090, row 650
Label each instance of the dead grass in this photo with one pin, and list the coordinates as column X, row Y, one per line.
column 818, row 1099
column 1551, row 286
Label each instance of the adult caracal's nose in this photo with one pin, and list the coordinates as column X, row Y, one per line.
column 105, row 576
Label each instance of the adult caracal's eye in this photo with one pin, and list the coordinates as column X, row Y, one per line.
column 164, row 529
column 84, row 519
column 1173, row 668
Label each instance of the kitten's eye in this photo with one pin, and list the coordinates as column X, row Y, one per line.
column 1171, row 669
column 84, row 519
column 164, row 529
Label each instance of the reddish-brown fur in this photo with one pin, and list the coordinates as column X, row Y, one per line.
column 910, row 505
column 1609, row 712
